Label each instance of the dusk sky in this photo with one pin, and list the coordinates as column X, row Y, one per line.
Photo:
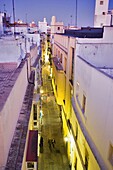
column 64, row 10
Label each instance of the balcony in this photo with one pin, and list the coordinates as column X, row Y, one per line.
column 57, row 64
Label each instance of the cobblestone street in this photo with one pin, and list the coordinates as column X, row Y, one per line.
column 52, row 158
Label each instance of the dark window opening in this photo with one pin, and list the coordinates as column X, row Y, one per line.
column 30, row 165
column 76, row 131
column 72, row 71
column 101, row 2
column 111, row 154
column 103, row 13
column 64, row 101
column 84, row 103
column 86, row 159
column 35, row 123
column 75, row 164
column 35, row 116
column 35, row 112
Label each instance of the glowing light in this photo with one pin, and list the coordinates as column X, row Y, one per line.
column 66, row 139
column 71, row 138
column 50, row 74
column 46, row 58
column 41, row 90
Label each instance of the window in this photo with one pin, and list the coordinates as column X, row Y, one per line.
column 101, row 2
column 101, row 24
column 30, row 165
column 75, row 164
column 58, row 28
column 64, row 101
column 61, row 58
column 65, row 64
column 111, row 154
column 35, row 108
column 86, row 159
column 77, row 88
column 56, row 87
column 84, row 103
column 103, row 13
column 35, row 112
column 76, row 131
column 35, row 116
column 72, row 64
column 35, row 123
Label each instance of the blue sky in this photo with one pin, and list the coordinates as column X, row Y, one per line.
column 64, row 10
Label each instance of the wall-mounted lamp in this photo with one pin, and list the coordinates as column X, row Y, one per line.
column 66, row 139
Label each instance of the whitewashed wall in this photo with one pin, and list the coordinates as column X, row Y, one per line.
column 10, row 113
column 97, row 51
column 1, row 23
column 98, row 54
column 42, row 26
column 9, row 50
column 98, row 117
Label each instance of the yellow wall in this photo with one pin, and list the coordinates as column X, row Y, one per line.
column 59, row 81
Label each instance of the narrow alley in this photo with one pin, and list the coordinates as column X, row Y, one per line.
column 52, row 157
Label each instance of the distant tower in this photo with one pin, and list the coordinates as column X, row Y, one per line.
column 53, row 20
column 101, row 18
column 56, row 27
column 43, row 26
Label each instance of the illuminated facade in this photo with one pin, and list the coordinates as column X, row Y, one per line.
column 86, row 65
column 16, row 95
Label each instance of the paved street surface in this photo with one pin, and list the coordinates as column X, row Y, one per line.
column 52, row 157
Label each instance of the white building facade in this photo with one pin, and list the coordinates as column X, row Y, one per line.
column 43, row 26
column 93, row 94
column 103, row 16
column 15, row 73
column 1, row 23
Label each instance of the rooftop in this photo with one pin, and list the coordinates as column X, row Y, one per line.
column 84, row 32
column 108, row 71
column 9, row 49
column 8, row 75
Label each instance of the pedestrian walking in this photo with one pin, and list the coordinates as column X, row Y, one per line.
column 53, row 142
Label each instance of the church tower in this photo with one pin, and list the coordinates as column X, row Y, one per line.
column 102, row 17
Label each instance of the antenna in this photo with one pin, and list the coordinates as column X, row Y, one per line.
column 26, row 18
column 4, row 8
column 13, row 15
column 76, row 14
column 71, row 20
